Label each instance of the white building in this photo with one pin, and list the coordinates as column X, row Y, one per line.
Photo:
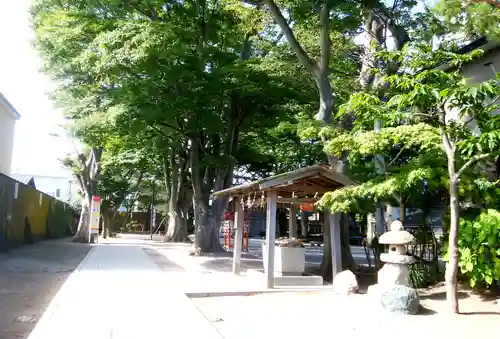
column 8, row 117
column 64, row 188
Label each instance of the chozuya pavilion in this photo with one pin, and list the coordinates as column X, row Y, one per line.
column 302, row 186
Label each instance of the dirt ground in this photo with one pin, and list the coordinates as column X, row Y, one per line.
column 299, row 314
column 29, row 278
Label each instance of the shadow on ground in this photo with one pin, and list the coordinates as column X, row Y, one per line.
column 162, row 261
column 30, row 277
column 224, row 263
column 441, row 295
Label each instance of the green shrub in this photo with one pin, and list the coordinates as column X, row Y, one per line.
column 424, row 274
column 479, row 246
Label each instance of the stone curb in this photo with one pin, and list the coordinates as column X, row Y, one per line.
column 246, row 293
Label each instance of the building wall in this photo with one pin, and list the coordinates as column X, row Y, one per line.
column 7, row 126
column 480, row 70
column 27, row 215
column 63, row 188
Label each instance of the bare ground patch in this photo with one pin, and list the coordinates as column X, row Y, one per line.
column 302, row 314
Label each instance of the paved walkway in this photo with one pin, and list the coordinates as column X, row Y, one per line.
column 118, row 292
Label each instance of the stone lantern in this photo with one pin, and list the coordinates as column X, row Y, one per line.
column 395, row 269
column 393, row 291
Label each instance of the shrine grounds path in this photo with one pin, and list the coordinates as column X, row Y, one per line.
column 118, row 292
column 133, row 287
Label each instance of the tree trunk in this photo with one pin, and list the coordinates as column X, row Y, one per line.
column 207, row 218
column 176, row 230
column 325, row 114
column 325, row 110
column 347, row 258
column 106, row 224
column 402, row 211
column 376, row 34
column 207, row 225
column 320, row 70
column 82, row 232
column 88, row 180
column 452, row 265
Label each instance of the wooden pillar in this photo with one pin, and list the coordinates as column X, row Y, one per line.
column 238, row 237
column 292, row 222
column 270, row 237
column 335, row 243
column 305, row 224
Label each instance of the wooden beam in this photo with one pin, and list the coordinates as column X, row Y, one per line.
column 238, row 237
column 289, row 178
column 320, row 189
column 270, row 237
column 284, row 200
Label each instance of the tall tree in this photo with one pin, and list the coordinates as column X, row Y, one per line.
column 443, row 105
column 293, row 18
column 185, row 73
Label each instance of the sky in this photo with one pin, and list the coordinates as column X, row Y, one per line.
column 36, row 151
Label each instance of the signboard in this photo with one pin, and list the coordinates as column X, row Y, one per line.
column 307, row 207
column 95, row 214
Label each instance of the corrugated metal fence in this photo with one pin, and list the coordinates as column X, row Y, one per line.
column 28, row 215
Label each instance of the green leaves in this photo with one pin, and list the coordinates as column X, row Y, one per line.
column 478, row 245
column 474, row 18
column 420, row 101
column 348, row 199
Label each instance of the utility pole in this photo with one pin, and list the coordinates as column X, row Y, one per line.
column 153, row 214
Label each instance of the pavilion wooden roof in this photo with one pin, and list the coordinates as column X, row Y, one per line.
column 304, row 183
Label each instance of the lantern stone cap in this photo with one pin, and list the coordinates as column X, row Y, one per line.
column 396, row 238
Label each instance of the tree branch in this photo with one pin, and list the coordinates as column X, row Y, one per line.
column 444, row 137
column 245, row 48
column 397, row 156
column 471, row 161
column 445, row 140
column 169, row 126
column 302, row 55
column 324, row 36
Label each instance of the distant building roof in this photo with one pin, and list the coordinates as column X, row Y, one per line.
column 10, row 108
column 480, row 43
column 24, row 179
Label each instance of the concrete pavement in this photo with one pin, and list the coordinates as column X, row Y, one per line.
column 30, row 276
column 119, row 292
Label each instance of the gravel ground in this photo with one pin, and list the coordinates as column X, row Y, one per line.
column 302, row 314
column 29, row 278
